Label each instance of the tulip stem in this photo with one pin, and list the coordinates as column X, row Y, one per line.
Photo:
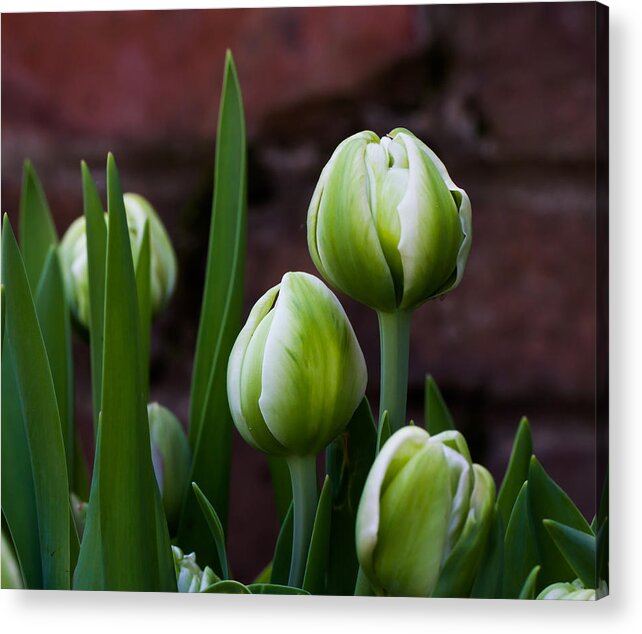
column 394, row 331
column 303, row 472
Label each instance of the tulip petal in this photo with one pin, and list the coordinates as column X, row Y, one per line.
column 314, row 373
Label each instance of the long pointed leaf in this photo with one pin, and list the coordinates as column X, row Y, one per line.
column 123, row 514
column 216, row 529
column 317, row 562
column 530, row 585
column 283, row 551
column 220, row 322
column 143, row 288
column 488, row 581
column 578, row 548
column 40, row 410
column 438, row 417
column 517, row 470
column 37, row 230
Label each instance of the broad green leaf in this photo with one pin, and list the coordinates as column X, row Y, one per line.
column 40, row 411
column 54, row 320
column 220, row 322
column 214, row 524
column 227, row 587
column 18, row 492
column 517, row 470
column 548, row 501
column 96, row 233
column 520, row 549
column 438, row 417
column 37, row 230
column 578, row 548
column 317, row 562
column 143, row 289
column 272, row 588
column 530, row 585
column 125, row 523
column 281, row 484
column 488, row 581
column 283, row 551
column 348, row 461
column 383, row 432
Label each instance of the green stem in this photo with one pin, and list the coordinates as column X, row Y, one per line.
column 394, row 331
column 303, row 472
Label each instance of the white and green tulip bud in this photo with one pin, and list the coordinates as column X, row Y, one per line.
column 386, row 224
column 189, row 576
column 10, row 575
column 296, row 373
column 424, row 515
column 171, row 457
column 73, row 250
column 567, row 592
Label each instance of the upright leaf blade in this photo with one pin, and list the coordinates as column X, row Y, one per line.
column 124, row 521
column 438, row 417
column 578, row 548
column 53, row 316
column 143, row 288
column 283, row 551
column 488, row 581
column 517, row 470
column 220, row 322
column 530, row 585
column 96, row 233
column 214, row 524
column 317, row 562
column 40, row 410
column 37, row 230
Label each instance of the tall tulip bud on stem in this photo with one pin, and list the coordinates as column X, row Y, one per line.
column 424, row 516
column 388, row 227
column 73, row 250
column 295, row 376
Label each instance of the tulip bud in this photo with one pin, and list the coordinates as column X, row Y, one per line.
column 10, row 575
column 424, row 515
column 189, row 576
column 73, row 250
column 296, row 372
column 386, row 224
column 171, row 457
column 567, row 592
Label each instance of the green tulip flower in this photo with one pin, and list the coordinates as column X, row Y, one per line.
column 295, row 376
column 189, row 576
column 171, row 457
column 424, row 516
column 567, row 592
column 73, row 250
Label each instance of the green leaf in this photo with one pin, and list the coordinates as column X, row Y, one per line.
column 126, row 542
column 143, row 289
column 227, row 587
column 96, row 233
column 517, row 470
column 348, row 461
column 578, row 548
column 40, row 410
column 272, row 588
column 216, row 529
column 548, row 501
column 384, row 431
column 281, row 484
column 317, row 562
column 18, row 492
column 438, row 417
column 283, row 551
column 488, row 581
column 530, row 585
column 53, row 316
column 37, row 230
column 220, row 322
column 520, row 549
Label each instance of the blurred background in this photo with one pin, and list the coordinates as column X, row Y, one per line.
column 505, row 94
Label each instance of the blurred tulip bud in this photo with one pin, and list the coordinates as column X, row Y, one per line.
column 171, row 457
column 296, row 372
column 424, row 515
column 10, row 575
column 79, row 513
column 189, row 576
column 73, row 250
column 386, row 224
column 567, row 592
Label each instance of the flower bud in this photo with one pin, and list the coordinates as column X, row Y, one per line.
column 422, row 508
column 296, row 373
column 386, row 224
column 73, row 250
column 567, row 592
column 189, row 576
column 171, row 457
